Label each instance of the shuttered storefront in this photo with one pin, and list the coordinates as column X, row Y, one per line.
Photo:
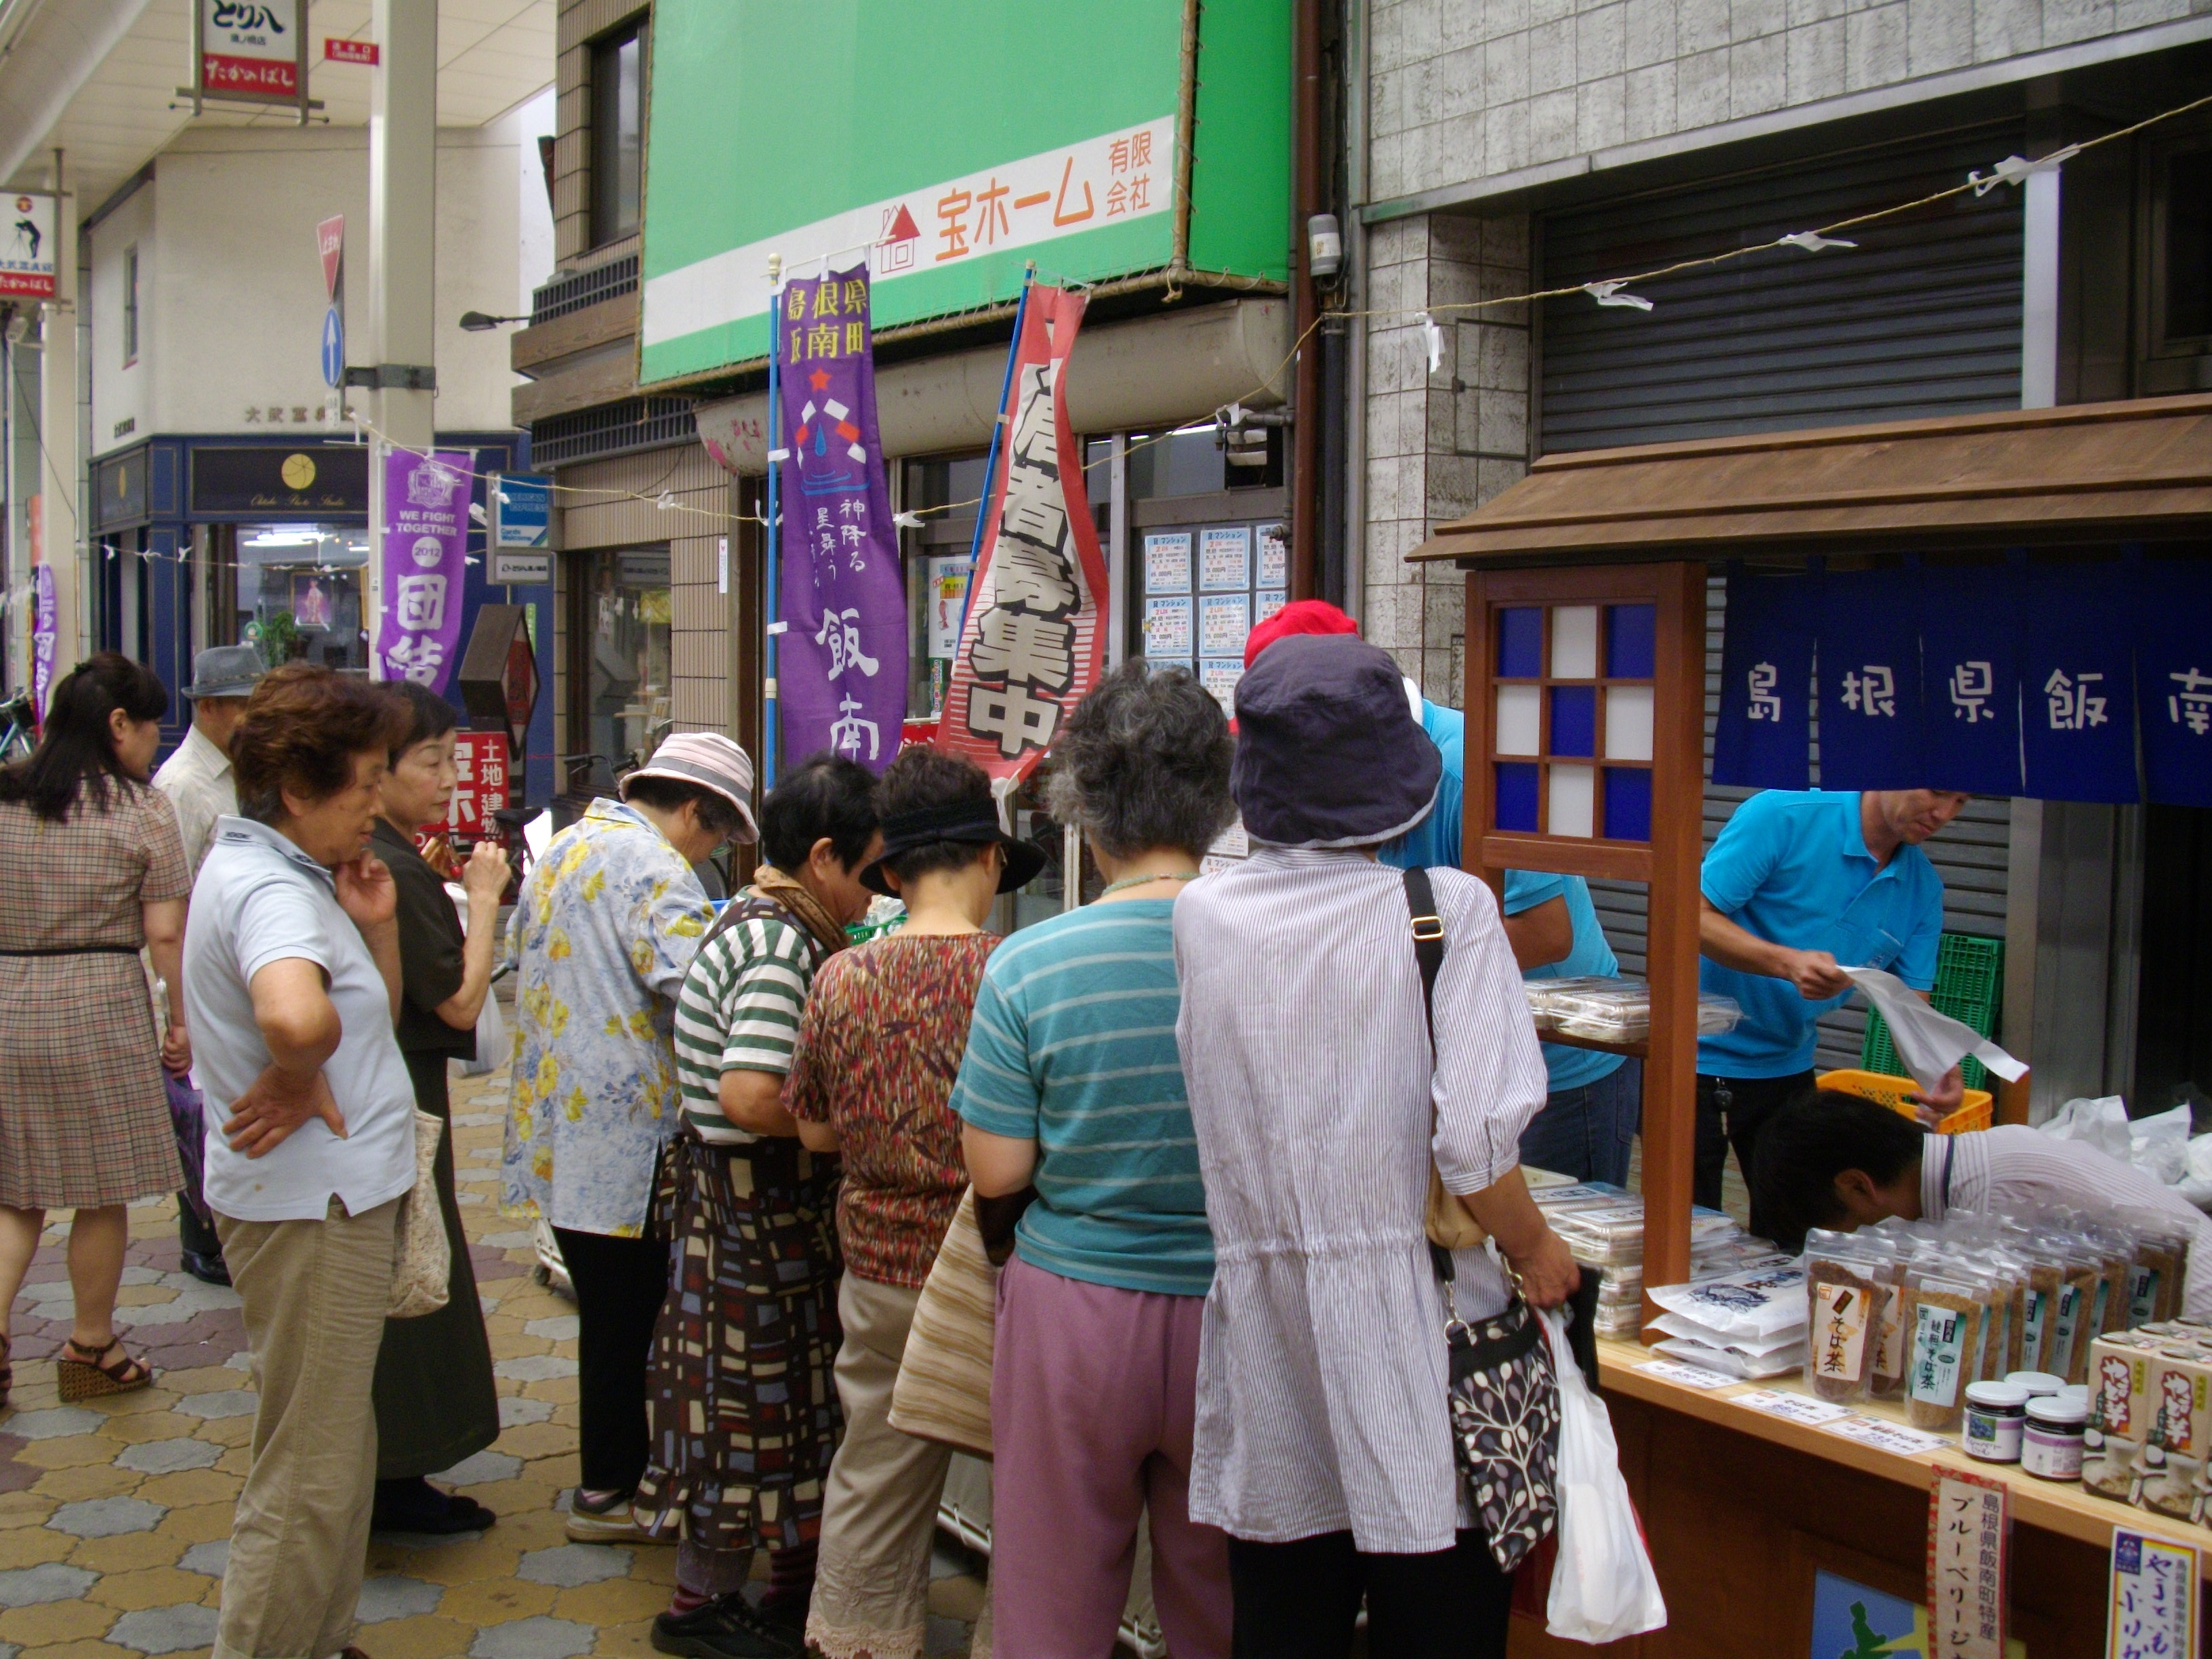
column 1922, row 319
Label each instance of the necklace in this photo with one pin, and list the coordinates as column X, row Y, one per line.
column 1140, row 881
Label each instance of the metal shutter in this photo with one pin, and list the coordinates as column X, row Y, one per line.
column 1923, row 318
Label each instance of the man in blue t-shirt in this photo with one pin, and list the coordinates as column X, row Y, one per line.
column 1595, row 1103
column 1800, row 884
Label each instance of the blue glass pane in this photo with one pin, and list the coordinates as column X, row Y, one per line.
column 1517, row 795
column 1521, row 643
column 1574, row 719
column 1627, row 804
column 1630, row 634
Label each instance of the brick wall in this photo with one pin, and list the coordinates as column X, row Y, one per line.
column 1439, row 444
column 581, row 21
column 1464, row 90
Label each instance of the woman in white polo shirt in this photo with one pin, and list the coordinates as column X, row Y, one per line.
column 292, row 972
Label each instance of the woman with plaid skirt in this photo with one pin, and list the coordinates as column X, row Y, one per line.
column 96, row 871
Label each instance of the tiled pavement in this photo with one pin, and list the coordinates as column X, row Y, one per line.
column 115, row 1515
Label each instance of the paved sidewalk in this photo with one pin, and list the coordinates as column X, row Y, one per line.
column 115, row 1515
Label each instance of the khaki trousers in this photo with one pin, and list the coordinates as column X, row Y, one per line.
column 880, row 1515
column 315, row 1292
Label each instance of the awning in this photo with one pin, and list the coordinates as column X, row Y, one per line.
column 2134, row 470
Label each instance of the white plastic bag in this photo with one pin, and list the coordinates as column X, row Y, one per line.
column 1928, row 1043
column 491, row 1040
column 1602, row 1584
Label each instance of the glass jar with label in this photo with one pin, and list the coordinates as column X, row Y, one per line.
column 2051, row 1438
column 1996, row 1414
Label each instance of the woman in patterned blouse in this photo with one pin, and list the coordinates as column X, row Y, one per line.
column 606, row 929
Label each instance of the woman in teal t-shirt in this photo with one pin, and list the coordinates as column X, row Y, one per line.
column 1072, row 1083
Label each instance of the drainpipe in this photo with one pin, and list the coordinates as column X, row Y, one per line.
column 1308, row 188
column 1355, row 300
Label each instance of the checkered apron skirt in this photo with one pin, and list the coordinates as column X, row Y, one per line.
column 743, row 1397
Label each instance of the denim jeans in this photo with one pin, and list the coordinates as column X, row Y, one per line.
column 1589, row 1133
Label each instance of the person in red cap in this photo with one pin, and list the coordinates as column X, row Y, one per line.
column 1589, row 1124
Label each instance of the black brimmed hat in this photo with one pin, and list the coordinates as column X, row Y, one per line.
column 1327, row 752
column 975, row 821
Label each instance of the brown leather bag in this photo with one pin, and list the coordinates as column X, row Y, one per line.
column 1447, row 1221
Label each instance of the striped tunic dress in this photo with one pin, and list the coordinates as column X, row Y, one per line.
column 1322, row 1369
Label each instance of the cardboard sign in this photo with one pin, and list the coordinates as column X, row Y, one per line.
column 1967, row 1565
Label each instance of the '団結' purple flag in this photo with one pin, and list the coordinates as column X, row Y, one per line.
column 423, row 554
column 841, row 662
column 45, row 631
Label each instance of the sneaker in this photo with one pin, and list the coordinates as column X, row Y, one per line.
column 725, row 1628
column 604, row 1521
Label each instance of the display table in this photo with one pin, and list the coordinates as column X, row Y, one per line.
column 1743, row 1508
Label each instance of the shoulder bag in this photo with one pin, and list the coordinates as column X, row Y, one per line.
column 1504, row 1393
column 422, row 1256
column 944, row 1388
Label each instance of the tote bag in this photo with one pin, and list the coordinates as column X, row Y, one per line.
column 944, row 1389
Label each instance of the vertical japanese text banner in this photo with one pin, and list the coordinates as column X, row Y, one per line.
column 422, row 546
column 2077, row 684
column 2174, row 663
column 1869, row 680
column 1034, row 640
column 1763, row 735
column 841, row 663
column 46, row 633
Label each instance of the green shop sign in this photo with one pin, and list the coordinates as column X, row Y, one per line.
column 949, row 145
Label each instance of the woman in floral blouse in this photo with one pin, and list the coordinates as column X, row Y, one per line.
column 606, row 930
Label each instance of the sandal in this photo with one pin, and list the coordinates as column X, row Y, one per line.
column 106, row 1370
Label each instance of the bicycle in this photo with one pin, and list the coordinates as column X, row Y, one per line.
column 22, row 736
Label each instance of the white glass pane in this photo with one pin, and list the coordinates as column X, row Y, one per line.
column 1520, row 719
column 1574, row 795
column 1628, row 722
column 1574, row 642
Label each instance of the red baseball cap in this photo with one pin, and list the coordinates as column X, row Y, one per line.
column 1302, row 617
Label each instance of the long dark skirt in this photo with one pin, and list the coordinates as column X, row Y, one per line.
column 435, row 1400
column 743, row 1399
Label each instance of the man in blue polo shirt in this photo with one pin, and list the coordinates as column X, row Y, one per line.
column 1799, row 885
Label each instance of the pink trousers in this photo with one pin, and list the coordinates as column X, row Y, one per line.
column 1093, row 1395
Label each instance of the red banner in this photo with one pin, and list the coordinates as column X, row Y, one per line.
column 479, row 783
column 1035, row 636
column 259, row 77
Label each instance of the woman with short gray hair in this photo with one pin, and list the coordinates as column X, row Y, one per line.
column 1072, row 1091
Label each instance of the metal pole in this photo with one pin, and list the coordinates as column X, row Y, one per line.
column 991, row 460
column 402, row 201
column 774, row 532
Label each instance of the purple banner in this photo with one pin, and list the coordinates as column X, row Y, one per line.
column 841, row 662
column 45, row 631
column 423, row 554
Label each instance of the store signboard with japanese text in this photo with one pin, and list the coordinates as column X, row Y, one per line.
column 950, row 157
column 480, row 775
column 28, row 247
column 250, row 50
column 1034, row 639
column 423, row 550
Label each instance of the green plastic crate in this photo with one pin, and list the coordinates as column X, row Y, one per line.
column 1969, row 986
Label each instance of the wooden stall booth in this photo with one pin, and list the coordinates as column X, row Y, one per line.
column 1587, row 703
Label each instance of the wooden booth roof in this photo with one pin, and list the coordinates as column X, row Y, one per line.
column 2086, row 472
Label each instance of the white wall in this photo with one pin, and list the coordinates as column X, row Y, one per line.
column 536, row 119
column 233, row 323
column 123, row 391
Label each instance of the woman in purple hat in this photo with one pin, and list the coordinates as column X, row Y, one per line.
column 1323, row 1440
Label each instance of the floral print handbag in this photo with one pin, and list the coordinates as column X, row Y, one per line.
column 1503, row 1394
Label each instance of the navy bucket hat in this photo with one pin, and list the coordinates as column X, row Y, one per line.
column 1328, row 751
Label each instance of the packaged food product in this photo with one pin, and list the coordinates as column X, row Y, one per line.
column 1757, row 1348
column 1996, row 1412
column 2046, row 1277
column 2051, row 1438
column 1885, row 1327
column 1731, row 1362
column 1947, row 1312
column 2113, row 1436
column 1757, row 1304
column 2160, row 1265
column 2066, row 1345
column 1839, row 1314
column 2178, row 1376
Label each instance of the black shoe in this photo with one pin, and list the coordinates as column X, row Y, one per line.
column 415, row 1505
column 208, row 1269
column 724, row 1628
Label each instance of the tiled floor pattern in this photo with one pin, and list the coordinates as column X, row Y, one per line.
column 115, row 1517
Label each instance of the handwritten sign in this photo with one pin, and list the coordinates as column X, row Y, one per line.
column 1792, row 1407
column 2153, row 1607
column 1966, row 1567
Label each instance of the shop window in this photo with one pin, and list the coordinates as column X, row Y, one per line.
column 617, row 133
column 298, row 592
column 945, row 492
column 131, row 305
column 618, row 629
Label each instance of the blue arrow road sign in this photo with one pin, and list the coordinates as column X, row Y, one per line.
column 333, row 348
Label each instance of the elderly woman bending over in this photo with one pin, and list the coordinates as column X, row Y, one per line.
column 1324, row 1447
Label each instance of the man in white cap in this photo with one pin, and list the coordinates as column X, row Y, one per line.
column 197, row 781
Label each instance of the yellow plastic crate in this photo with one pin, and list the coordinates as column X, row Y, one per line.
column 1976, row 1108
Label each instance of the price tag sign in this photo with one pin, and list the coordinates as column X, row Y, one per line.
column 1690, row 1376
column 2153, row 1612
column 1885, row 1437
column 1792, row 1407
column 1967, row 1567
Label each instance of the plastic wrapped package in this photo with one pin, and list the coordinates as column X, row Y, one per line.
column 1760, row 1303
column 1732, row 1362
column 1839, row 1298
column 2161, row 1265
column 1949, row 1307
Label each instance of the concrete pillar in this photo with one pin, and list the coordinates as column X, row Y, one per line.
column 403, row 156
column 59, row 462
